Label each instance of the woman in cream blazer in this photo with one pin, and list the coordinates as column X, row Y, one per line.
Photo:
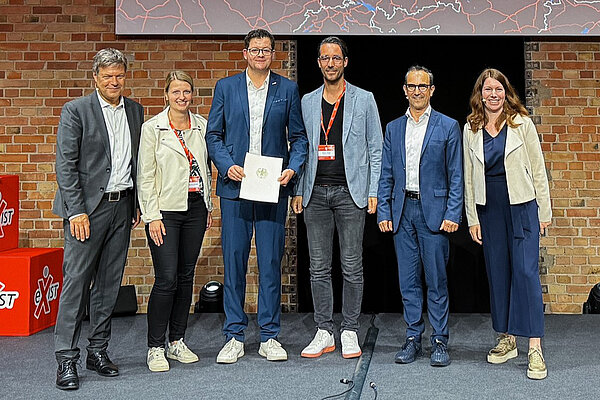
column 507, row 203
column 174, row 186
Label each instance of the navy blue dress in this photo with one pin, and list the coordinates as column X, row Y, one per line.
column 510, row 236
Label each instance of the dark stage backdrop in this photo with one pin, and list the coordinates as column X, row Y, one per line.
column 378, row 64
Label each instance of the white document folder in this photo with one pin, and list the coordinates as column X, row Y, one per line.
column 260, row 182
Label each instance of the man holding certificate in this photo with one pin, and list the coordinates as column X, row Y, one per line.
column 337, row 188
column 255, row 112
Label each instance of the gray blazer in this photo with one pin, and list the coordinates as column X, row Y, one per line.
column 83, row 157
column 362, row 141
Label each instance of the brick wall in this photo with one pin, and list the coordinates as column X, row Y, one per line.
column 563, row 93
column 46, row 48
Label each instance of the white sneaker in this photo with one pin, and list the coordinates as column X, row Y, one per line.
column 272, row 350
column 350, row 347
column 156, row 360
column 230, row 353
column 180, row 352
column 322, row 343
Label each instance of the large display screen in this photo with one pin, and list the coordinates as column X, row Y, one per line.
column 358, row 17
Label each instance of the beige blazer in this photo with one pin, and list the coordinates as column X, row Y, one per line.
column 524, row 164
column 163, row 168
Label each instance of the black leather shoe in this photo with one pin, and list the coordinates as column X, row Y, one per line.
column 98, row 361
column 66, row 375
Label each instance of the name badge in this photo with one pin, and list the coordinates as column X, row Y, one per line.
column 194, row 185
column 326, row 152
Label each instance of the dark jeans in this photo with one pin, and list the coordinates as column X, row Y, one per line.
column 174, row 264
column 330, row 207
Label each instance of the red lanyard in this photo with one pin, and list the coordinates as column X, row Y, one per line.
column 188, row 153
column 333, row 114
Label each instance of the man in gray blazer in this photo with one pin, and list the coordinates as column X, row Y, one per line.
column 96, row 152
column 336, row 189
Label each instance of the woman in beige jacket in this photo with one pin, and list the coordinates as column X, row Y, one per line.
column 174, row 194
column 507, row 202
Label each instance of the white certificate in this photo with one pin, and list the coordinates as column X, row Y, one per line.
column 260, row 182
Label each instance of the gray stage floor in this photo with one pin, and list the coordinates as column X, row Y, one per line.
column 571, row 349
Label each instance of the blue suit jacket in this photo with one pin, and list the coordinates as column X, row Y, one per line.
column 440, row 172
column 228, row 129
column 362, row 140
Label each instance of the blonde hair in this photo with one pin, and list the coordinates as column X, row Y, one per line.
column 179, row 76
column 512, row 104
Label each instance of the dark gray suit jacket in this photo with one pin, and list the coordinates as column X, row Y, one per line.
column 83, row 157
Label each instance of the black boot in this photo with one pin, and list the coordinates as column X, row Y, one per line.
column 66, row 375
column 98, row 361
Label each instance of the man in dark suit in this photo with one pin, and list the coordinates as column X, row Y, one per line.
column 256, row 111
column 96, row 154
column 420, row 200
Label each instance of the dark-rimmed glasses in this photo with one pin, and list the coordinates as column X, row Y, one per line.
column 265, row 52
column 422, row 87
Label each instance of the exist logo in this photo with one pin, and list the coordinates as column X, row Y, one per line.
column 6, row 215
column 46, row 292
column 7, row 299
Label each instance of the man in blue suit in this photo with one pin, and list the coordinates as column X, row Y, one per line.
column 256, row 111
column 420, row 199
column 337, row 188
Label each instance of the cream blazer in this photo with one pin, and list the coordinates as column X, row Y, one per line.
column 524, row 164
column 163, row 168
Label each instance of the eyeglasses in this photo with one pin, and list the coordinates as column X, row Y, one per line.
column 265, row 52
column 422, row 87
column 336, row 59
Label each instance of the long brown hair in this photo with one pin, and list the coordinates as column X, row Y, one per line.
column 512, row 103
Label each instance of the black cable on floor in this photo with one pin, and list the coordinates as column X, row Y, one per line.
column 362, row 367
column 345, row 381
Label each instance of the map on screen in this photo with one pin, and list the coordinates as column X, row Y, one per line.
column 358, row 17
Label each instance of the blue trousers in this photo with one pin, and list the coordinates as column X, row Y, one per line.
column 511, row 243
column 239, row 219
column 418, row 247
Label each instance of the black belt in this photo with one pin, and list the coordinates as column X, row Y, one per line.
column 116, row 196
column 412, row 195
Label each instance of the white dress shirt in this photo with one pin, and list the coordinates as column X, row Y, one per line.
column 415, row 133
column 119, row 138
column 257, row 97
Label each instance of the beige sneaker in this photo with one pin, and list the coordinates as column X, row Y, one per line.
column 156, row 360
column 350, row 347
column 230, row 353
column 180, row 352
column 272, row 350
column 504, row 350
column 537, row 365
column 323, row 342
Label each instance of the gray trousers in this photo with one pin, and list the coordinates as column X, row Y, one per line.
column 98, row 261
column 330, row 207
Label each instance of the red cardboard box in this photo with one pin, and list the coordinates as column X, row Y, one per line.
column 30, row 286
column 9, row 212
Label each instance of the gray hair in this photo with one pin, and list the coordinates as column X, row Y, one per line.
column 108, row 57
column 419, row 68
